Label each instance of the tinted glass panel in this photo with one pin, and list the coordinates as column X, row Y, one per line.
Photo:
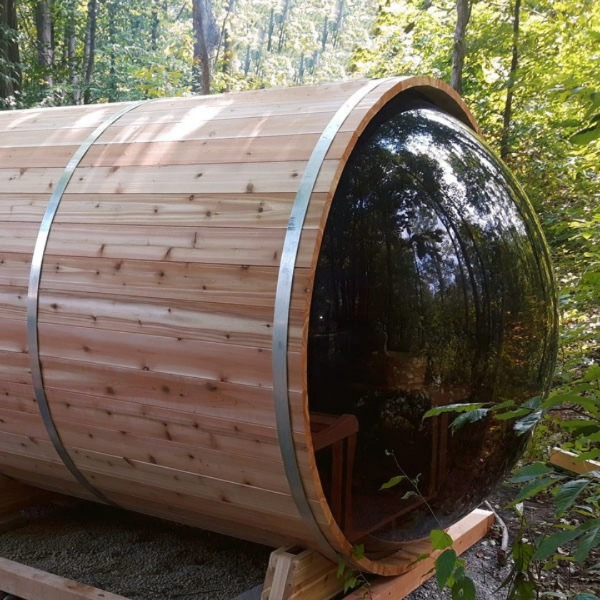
column 432, row 287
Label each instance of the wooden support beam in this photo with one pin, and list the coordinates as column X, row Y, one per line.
column 571, row 462
column 32, row 584
column 296, row 574
column 467, row 532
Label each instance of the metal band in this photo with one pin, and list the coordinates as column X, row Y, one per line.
column 33, row 299
column 282, row 313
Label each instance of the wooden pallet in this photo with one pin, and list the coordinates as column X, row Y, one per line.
column 297, row 574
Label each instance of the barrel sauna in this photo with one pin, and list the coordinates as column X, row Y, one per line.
column 233, row 311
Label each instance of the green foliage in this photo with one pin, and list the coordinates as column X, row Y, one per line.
column 144, row 48
column 439, row 539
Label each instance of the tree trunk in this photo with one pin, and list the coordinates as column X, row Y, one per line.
column 284, row 16
column 71, row 45
column 514, row 65
column 324, row 33
column 201, row 58
column 45, row 52
column 247, row 61
column 271, row 28
column 155, row 25
column 223, row 33
column 10, row 61
column 463, row 14
column 112, row 82
column 338, row 22
column 90, row 48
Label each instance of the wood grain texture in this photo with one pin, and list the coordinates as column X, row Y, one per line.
column 156, row 301
column 33, row 584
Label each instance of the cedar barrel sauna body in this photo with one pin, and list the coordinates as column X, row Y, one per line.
column 187, row 358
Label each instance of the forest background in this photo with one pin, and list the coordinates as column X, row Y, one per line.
column 529, row 70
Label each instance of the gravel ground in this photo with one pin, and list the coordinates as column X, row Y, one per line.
column 136, row 556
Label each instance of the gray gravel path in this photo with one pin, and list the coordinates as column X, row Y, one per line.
column 136, row 556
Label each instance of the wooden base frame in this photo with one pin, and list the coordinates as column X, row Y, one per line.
column 295, row 574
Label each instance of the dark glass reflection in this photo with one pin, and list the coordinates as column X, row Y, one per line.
column 433, row 287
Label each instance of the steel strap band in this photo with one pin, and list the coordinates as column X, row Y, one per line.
column 33, row 299
column 282, row 312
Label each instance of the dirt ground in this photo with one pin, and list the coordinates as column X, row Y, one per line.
column 144, row 558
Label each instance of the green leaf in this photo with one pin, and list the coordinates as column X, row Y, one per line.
column 392, row 482
column 580, row 427
column 464, row 407
column 522, row 588
column 586, row 596
column 502, row 405
column 527, row 423
column 469, row 417
column 589, row 540
column 440, row 539
column 464, row 589
column 550, row 544
column 409, row 494
column 567, row 494
column 529, row 472
column 522, row 553
column 533, row 488
column 358, row 551
column 587, row 135
column 592, row 374
column 340, row 568
column 512, row 414
column 444, row 566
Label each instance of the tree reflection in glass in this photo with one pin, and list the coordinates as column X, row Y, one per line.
column 433, row 286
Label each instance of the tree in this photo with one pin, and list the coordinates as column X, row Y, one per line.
column 71, row 47
column 45, row 47
column 463, row 14
column 10, row 62
column 89, row 54
column 204, row 41
column 512, row 75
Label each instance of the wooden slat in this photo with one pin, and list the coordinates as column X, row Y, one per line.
column 22, row 158
column 225, row 323
column 236, row 246
column 201, row 397
column 33, row 584
column 211, row 151
column 185, row 446
column 160, row 354
column 571, row 462
column 260, row 178
column 227, row 284
column 14, row 367
column 237, row 468
column 210, row 210
column 54, row 117
column 188, row 129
